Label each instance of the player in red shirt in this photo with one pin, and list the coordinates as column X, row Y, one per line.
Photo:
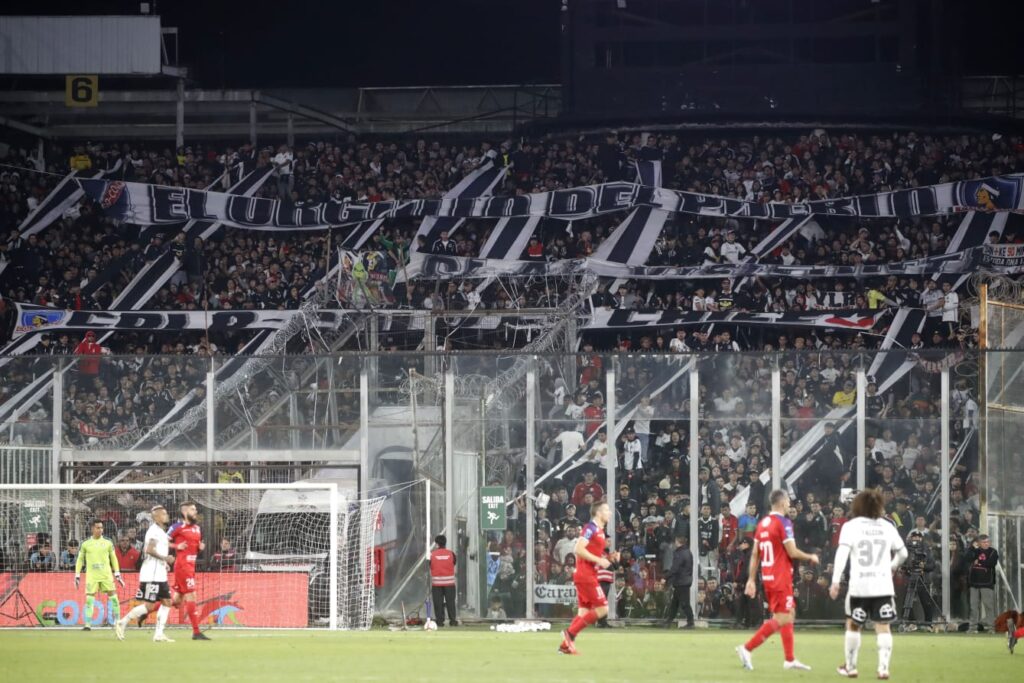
column 775, row 549
column 187, row 539
column 593, row 604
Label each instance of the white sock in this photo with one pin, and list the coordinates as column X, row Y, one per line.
column 136, row 612
column 884, row 651
column 852, row 649
column 161, row 619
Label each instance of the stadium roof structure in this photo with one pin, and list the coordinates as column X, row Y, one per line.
column 239, row 114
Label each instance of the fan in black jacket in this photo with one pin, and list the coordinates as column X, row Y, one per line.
column 982, row 559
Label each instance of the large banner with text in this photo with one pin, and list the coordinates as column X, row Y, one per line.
column 144, row 204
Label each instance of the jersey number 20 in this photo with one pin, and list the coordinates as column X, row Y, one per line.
column 767, row 553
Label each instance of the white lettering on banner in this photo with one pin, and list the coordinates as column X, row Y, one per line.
column 147, row 204
column 554, row 594
column 624, row 198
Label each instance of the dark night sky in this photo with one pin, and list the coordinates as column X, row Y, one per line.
column 258, row 43
column 346, row 43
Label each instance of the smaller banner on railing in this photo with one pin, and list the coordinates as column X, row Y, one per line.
column 839, row 319
column 994, row 258
column 554, row 594
column 267, row 599
column 37, row 319
column 1003, row 256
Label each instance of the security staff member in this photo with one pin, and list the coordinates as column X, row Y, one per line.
column 442, row 581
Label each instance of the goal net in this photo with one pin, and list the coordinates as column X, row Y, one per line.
column 295, row 555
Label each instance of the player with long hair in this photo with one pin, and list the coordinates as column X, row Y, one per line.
column 874, row 550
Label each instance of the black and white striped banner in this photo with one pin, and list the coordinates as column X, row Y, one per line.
column 971, row 260
column 139, row 291
column 632, row 241
column 31, row 319
column 153, row 204
column 479, row 183
column 38, row 319
column 67, row 193
column 891, row 364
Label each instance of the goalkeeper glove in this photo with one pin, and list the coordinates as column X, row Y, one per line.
column 117, row 577
column 77, row 579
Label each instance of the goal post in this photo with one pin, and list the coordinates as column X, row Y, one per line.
column 297, row 555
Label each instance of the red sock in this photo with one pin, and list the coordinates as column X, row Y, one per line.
column 580, row 623
column 767, row 628
column 190, row 612
column 786, row 633
column 1019, row 633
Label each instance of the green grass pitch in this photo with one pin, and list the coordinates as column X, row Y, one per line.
column 636, row 654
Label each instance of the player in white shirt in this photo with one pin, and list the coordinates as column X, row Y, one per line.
column 875, row 550
column 154, row 591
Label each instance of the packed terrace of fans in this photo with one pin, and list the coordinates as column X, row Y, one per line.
column 238, row 270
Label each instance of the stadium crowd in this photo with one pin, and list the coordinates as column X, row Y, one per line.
column 652, row 465
column 237, row 269
column 244, row 269
column 85, row 261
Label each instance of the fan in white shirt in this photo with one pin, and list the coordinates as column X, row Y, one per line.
column 737, row 449
column 886, row 445
column 726, row 403
column 678, row 343
column 732, row 251
column 950, row 304
column 572, row 442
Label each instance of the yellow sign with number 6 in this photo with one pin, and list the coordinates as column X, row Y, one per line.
column 81, row 91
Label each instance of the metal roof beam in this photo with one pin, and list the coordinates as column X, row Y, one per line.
column 26, row 128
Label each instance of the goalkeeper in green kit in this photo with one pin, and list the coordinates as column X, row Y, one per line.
column 101, row 570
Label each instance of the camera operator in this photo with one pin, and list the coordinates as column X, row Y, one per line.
column 918, row 568
column 981, row 577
